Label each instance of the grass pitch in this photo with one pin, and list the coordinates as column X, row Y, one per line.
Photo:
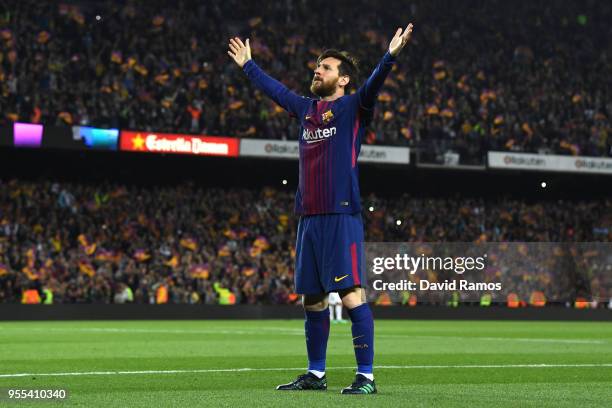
column 238, row 363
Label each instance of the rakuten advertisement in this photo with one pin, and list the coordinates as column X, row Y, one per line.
column 147, row 142
column 550, row 162
column 281, row 149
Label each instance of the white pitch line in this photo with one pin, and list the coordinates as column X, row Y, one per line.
column 160, row 331
column 247, row 369
column 297, row 332
column 518, row 339
column 535, row 340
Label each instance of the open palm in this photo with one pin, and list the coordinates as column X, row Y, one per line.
column 400, row 40
column 239, row 51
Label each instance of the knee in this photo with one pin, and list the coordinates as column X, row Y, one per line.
column 315, row 304
column 352, row 298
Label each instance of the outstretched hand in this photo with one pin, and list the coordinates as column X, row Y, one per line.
column 240, row 52
column 399, row 40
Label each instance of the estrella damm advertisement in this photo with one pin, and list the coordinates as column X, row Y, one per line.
column 149, row 142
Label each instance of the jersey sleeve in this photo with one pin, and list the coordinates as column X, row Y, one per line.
column 369, row 91
column 279, row 93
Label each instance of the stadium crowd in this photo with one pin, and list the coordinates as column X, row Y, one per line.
column 529, row 76
column 88, row 242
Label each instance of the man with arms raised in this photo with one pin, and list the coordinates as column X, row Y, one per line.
column 330, row 230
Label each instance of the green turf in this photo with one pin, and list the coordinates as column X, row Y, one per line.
column 416, row 349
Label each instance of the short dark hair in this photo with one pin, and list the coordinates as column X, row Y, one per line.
column 348, row 66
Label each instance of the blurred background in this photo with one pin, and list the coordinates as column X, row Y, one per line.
column 138, row 165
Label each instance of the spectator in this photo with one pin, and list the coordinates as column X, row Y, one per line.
column 528, row 76
column 187, row 239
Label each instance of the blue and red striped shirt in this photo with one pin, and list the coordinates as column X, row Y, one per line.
column 330, row 139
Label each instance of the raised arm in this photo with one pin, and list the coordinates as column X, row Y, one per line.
column 279, row 93
column 370, row 89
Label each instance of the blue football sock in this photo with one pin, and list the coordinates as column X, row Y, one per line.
column 363, row 337
column 317, row 332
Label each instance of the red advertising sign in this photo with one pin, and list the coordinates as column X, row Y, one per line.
column 179, row 144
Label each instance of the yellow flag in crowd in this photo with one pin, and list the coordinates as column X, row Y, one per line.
column 189, row 243
column 248, row 271
column 223, row 251
column 86, row 268
column 141, row 255
column 172, row 262
column 200, row 271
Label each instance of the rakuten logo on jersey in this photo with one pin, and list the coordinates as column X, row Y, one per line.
column 318, row 135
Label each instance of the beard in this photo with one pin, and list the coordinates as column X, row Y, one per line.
column 322, row 89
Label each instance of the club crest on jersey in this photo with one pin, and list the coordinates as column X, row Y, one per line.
column 327, row 116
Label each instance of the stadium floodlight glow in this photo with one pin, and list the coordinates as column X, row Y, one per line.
column 543, row 184
column 371, row 208
column 284, row 182
column 398, row 222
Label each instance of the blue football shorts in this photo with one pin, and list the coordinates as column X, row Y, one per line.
column 329, row 253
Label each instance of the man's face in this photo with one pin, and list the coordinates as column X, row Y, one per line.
column 326, row 77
